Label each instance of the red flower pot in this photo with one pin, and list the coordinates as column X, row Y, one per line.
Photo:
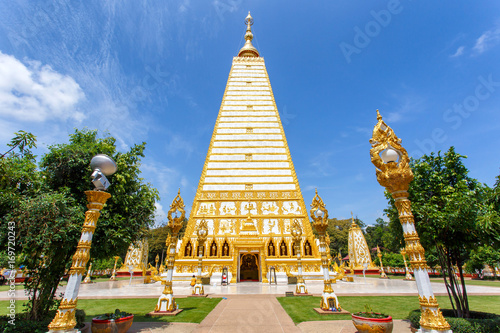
column 366, row 325
column 111, row 326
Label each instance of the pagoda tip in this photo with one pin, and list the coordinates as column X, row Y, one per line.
column 379, row 117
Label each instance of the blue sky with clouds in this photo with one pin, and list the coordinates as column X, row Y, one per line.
column 155, row 71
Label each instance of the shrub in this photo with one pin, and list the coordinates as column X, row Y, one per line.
column 22, row 325
column 80, row 318
column 480, row 322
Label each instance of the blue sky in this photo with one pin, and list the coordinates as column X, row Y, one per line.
column 155, row 71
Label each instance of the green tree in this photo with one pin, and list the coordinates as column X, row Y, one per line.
column 380, row 234
column 449, row 207
column 483, row 255
column 47, row 205
column 338, row 232
column 24, row 141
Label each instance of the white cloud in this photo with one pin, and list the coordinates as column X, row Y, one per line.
column 177, row 144
column 458, row 52
column 160, row 215
column 37, row 93
column 487, row 40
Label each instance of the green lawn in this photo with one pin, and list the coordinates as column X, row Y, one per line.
column 301, row 308
column 195, row 309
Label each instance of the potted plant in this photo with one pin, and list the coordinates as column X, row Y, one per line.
column 118, row 322
column 369, row 321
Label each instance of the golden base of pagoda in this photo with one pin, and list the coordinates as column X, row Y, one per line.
column 328, row 312
column 162, row 314
column 302, row 294
column 373, row 271
column 127, row 273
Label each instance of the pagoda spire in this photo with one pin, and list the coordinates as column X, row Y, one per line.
column 248, row 50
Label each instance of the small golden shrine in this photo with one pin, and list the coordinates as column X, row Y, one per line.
column 359, row 253
column 136, row 259
column 248, row 192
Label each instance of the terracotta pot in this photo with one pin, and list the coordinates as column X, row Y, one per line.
column 112, row 326
column 372, row 325
column 85, row 329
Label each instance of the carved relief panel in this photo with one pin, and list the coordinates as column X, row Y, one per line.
column 206, row 208
column 227, row 208
column 271, row 226
column 291, row 207
column 269, row 208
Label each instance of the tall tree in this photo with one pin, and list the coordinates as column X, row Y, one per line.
column 449, row 207
column 338, row 232
column 47, row 206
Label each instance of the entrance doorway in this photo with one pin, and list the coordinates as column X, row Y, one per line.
column 249, row 267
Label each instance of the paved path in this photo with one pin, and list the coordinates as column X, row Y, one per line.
column 248, row 313
column 254, row 313
column 360, row 286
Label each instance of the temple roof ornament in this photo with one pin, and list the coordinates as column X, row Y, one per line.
column 248, row 50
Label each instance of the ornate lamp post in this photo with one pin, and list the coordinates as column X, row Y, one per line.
column 296, row 231
column 319, row 215
column 202, row 232
column 166, row 302
column 382, row 273
column 113, row 276
column 393, row 172
column 87, row 278
column 408, row 276
column 64, row 319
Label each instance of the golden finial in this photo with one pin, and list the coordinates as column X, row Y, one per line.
column 248, row 50
column 379, row 117
column 352, row 219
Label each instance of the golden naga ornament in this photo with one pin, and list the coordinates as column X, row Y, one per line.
column 395, row 175
column 175, row 222
column 393, row 172
column 319, row 214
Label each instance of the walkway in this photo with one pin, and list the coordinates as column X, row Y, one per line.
column 360, row 286
column 254, row 313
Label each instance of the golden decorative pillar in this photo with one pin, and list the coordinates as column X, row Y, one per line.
column 113, row 276
column 166, row 301
column 382, row 273
column 393, row 172
column 202, row 232
column 296, row 231
column 87, row 278
column 263, row 256
column 319, row 215
column 64, row 319
column 408, row 276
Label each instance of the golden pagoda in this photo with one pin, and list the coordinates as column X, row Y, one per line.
column 248, row 192
column 359, row 253
column 136, row 259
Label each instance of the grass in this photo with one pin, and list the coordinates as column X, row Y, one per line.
column 195, row 309
column 301, row 308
